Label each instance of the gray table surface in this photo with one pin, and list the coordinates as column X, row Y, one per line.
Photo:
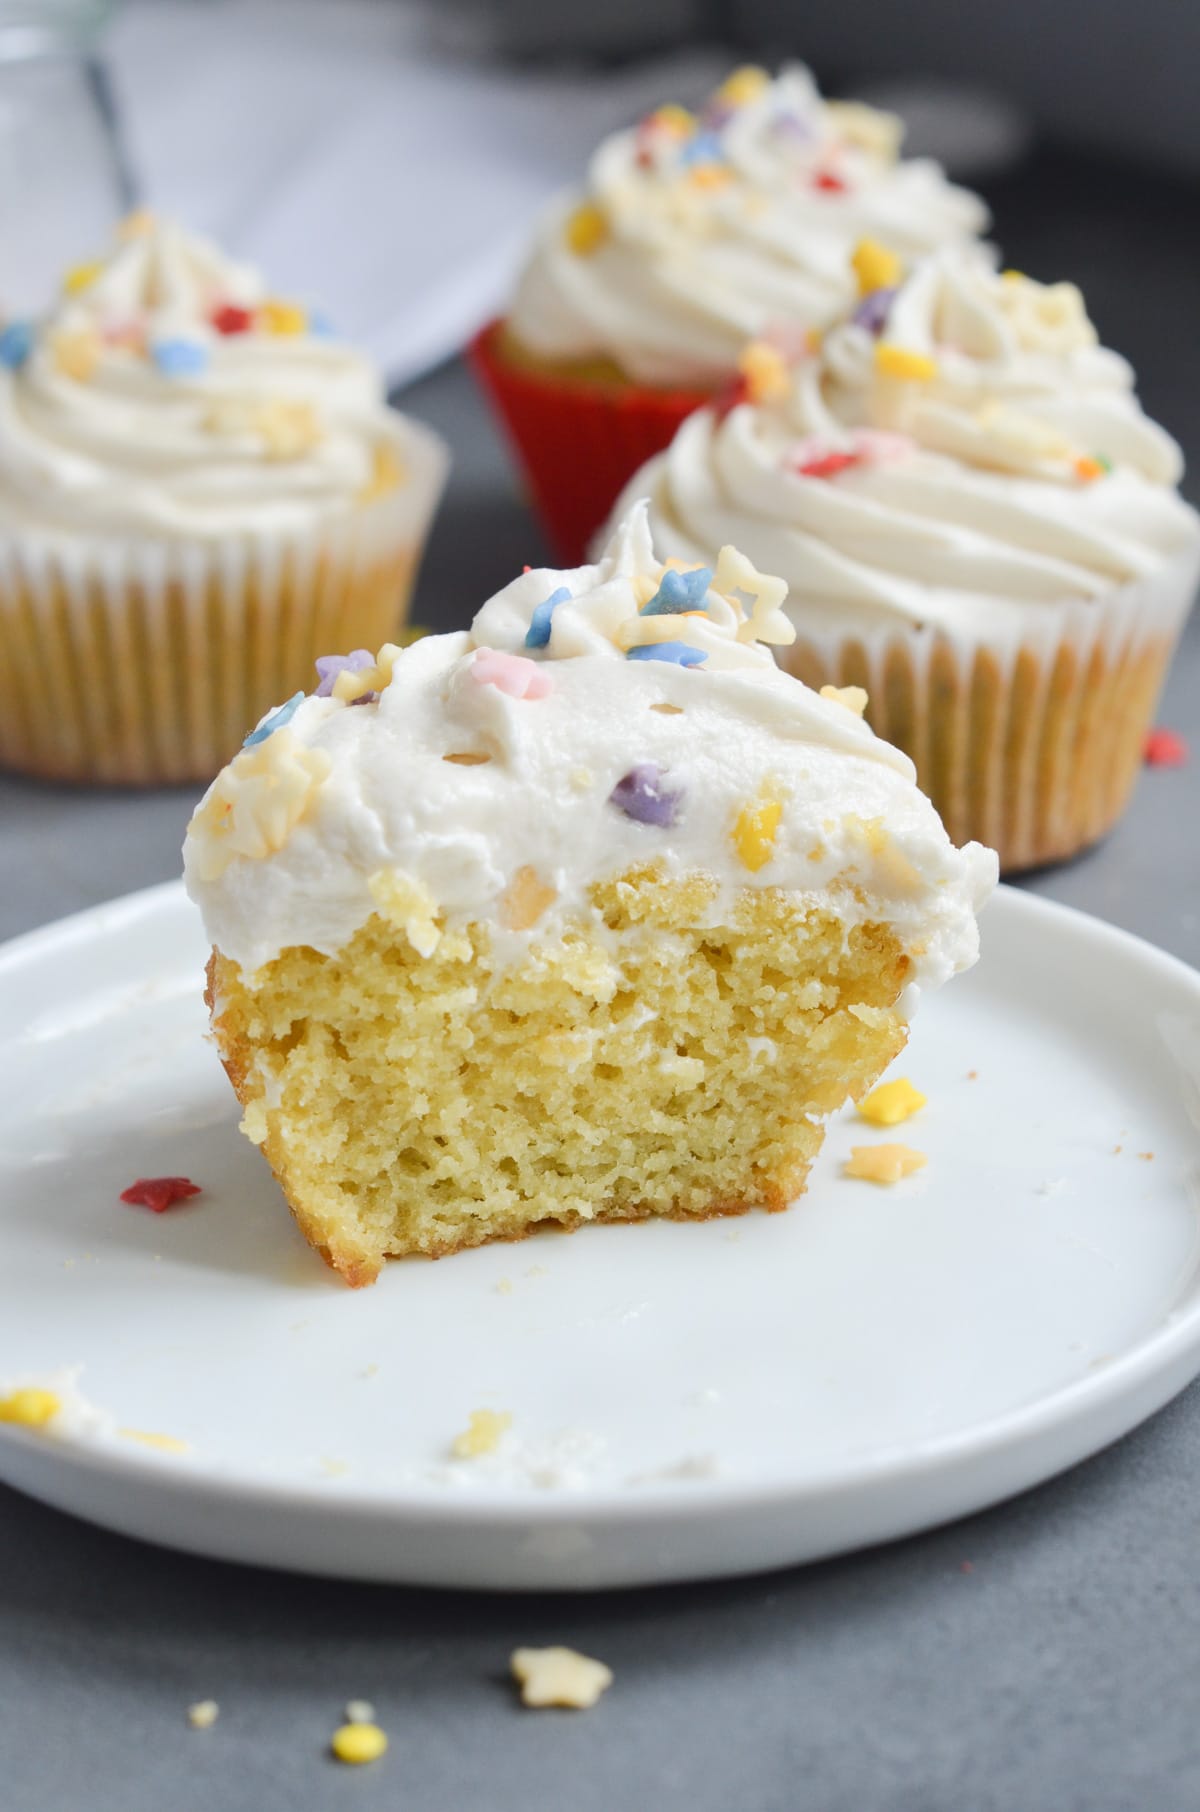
column 1040, row 1655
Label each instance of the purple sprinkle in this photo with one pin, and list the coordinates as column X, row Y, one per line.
column 641, row 796
column 330, row 665
column 872, row 311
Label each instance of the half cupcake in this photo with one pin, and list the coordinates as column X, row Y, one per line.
column 200, row 489
column 587, row 913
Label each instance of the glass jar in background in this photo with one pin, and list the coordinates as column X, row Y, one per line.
column 63, row 179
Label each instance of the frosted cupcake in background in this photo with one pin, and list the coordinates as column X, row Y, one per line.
column 693, row 235
column 977, row 524
column 200, row 490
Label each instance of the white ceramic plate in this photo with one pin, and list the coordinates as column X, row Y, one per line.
column 687, row 1401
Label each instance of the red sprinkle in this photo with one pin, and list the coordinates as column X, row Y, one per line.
column 829, row 466
column 159, row 1193
column 1164, row 749
column 229, row 318
column 830, row 181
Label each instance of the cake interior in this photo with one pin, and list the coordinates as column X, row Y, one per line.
column 641, row 1062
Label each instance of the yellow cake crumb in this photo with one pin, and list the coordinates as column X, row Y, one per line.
column 408, row 903
column 358, row 1743
column 559, row 1676
column 891, row 1102
column 483, row 1433
column 30, row 1407
column 854, row 698
column 884, row 1163
column 203, row 1714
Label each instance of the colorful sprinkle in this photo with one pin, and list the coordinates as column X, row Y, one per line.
column 830, row 183
column 288, row 430
column 275, row 720
column 360, row 685
column 1089, row 469
column 679, row 592
column 320, row 326
column 586, row 230
column 738, row 578
column 254, row 804
column 1165, row 749
column 283, row 318
column 744, row 85
column 876, row 267
column 203, row 1714
column 641, row 796
column 524, row 901
column 680, row 654
column 16, row 344
column 30, row 1407
column 826, row 465
column 82, row 276
column 179, row 358
column 77, row 355
column 679, row 121
column 330, row 665
column 538, row 633
column 229, row 318
column 891, row 1103
column 159, row 1193
column 702, row 148
column 358, row 1743
column 511, row 674
column 872, row 312
column 883, row 1163
column 765, row 370
column 138, row 225
column 899, row 362
column 850, row 698
column 755, row 830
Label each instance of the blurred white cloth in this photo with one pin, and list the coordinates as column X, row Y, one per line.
column 360, row 166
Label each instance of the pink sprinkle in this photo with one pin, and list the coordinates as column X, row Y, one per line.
column 511, row 674
column 1165, row 749
column 790, row 340
column 878, row 447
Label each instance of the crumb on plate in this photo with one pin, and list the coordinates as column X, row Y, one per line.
column 482, row 1433
column 203, row 1714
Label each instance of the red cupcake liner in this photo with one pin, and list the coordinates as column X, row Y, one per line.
column 576, row 442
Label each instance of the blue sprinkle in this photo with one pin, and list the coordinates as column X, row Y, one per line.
column 679, row 592
column 538, row 633
column 320, row 326
column 180, row 358
column 275, row 721
column 682, row 654
column 704, row 148
column 16, row 344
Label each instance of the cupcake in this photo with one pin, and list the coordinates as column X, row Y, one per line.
column 694, row 235
column 587, row 913
column 978, row 525
column 200, row 489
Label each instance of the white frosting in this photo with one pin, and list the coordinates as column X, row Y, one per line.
column 380, row 796
column 272, row 431
column 688, row 271
column 973, row 501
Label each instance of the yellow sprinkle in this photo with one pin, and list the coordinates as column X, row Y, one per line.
column 165, row 1443
column 891, row 1102
column 387, row 473
column 875, row 266
column 587, row 229
column 136, row 225
column 766, row 372
column 77, row 355
column 675, row 119
column 884, row 1163
column 358, row 1743
column 898, row 362
column 30, row 1407
column 1011, row 276
column 482, row 1433
column 82, row 276
column 745, row 84
column 852, row 697
column 755, row 830
column 282, row 317
column 203, row 1714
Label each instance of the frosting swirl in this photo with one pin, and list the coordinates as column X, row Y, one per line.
column 168, row 393
column 495, row 774
column 962, row 454
column 696, row 234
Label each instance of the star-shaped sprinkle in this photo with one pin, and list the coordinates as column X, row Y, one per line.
column 538, row 633
column 680, row 654
column 1165, row 749
column 159, row 1193
column 511, row 674
column 738, row 577
column 330, row 665
column 679, row 592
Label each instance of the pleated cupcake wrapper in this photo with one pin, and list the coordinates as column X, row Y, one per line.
column 144, row 662
column 576, row 442
column 1030, row 744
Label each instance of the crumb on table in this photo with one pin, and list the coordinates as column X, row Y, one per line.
column 559, row 1676
column 482, row 1433
column 203, row 1714
column 884, row 1163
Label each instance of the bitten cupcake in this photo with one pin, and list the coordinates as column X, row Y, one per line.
column 694, row 235
column 978, row 524
column 587, row 913
column 201, row 488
